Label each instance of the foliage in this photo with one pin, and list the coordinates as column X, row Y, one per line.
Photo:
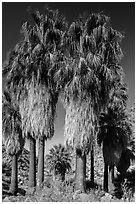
column 58, row 191
column 30, row 71
column 59, row 160
column 132, row 119
column 11, row 125
column 93, row 70
column 115, row 130
column 95, row 53
column 115, row 126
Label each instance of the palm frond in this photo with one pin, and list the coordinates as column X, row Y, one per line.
column 58, row 159
column 11, row 126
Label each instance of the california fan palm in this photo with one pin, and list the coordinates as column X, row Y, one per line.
column 128, row 155
column 115, row 130
column 94, row 53
column 39, row 57
column 12, row 135
column 58, row 161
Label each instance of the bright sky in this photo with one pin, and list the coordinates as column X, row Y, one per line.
column 122, row 18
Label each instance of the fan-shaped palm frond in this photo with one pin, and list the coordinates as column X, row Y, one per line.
column 59, row 160
column 34, row 65
column 12, row 131
column 115, row 130
column 12, row 135
column 93, row 74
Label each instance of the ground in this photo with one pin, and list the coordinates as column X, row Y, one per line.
column 62, row 192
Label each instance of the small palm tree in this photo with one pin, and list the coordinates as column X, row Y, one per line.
column 59, row 161
column 12, row 135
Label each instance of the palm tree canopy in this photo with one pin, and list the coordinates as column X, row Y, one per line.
column 94, row 49
column 115, row 126
column 114, row 132
column 58, row 159
column 11, row 126
column 31, row 74
column 93, row 71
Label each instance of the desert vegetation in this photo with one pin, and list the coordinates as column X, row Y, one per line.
column 78, row 63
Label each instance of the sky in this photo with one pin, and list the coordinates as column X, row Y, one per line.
column 122, row 14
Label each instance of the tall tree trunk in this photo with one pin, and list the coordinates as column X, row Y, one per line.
column 105, row 186
column 112, row 174
column 85, row 166
column 14, row 175
column 80, row 171
column 111, row 185
column 63, row 176
column 92, row 166
column 32, row 167
column 41, row 161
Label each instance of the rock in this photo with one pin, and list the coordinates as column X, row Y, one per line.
column 106, row 198
column 84, row 197
column 6, row 199
column 21, row 182
column 117, row 200
column 88, row 197
column 30, row 191
column 75, row 196
column 27, row 199
column 77, row 191
column 108, row 195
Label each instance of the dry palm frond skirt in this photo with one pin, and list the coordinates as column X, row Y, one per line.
column 14, row 144
column 79, row 128
column 37, row 111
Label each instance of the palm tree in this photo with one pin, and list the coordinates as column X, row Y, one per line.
column 14, row 72
column 59, row 161
column 128, row 155
column 94, row 52
column 12, row 135
column 39, row 57
column 114, row 133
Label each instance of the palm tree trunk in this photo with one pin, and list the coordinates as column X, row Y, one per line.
column 105, row 186
column 80, row 171
column 92, row 167
column 41, row 161
column 112, row 174
column 32, row 167
column 85, row 167
column 63, row 175
column 14, row 175
column 111, row 178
